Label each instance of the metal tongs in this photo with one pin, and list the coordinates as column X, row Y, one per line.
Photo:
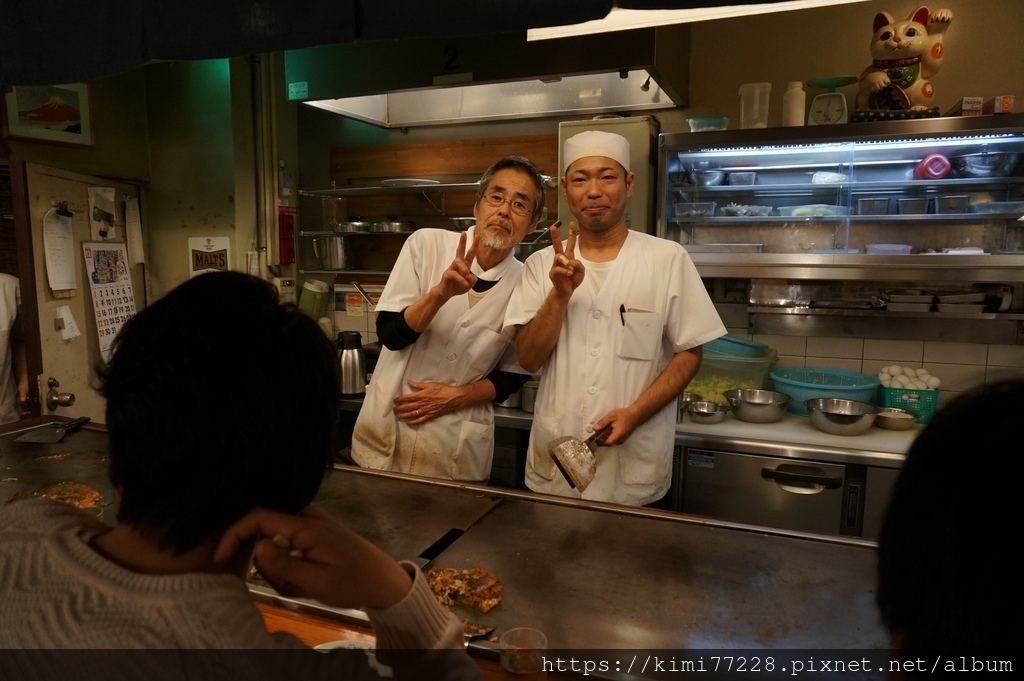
column 365, row 295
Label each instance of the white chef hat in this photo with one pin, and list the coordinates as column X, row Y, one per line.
column 596, row 143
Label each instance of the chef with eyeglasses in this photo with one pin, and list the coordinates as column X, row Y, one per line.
column 428, row 409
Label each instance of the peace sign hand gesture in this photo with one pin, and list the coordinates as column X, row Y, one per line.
column 458, row 278
column 567, row 271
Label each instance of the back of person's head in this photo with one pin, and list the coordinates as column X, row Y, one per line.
column 219, row 399
column 946, row 578
column 526, row 167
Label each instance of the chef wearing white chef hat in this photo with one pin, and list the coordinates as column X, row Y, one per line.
column 613, row 320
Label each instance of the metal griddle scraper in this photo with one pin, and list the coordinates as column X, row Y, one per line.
column 53, row 433
column 575, row 457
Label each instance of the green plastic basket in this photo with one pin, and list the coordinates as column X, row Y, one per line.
column 921, row 402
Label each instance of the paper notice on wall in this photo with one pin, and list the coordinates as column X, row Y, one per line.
column 133, row 231
column 113, row 300
column 101, row 213
column 67, row 324
column 208, row 254
column 58, row 250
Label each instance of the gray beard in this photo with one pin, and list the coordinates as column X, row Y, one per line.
column 496, row 241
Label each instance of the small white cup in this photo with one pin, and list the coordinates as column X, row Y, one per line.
column 520, row 650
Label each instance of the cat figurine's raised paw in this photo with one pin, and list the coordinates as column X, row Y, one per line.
column 905, row 55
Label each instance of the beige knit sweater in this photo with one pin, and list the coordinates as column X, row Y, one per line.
column 57, row 592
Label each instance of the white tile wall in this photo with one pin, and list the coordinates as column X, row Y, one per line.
column 848, row 348
column 955, row 353
column 895, row 350
column 1006, row 355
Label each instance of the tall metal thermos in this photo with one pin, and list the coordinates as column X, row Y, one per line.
column 352, row 363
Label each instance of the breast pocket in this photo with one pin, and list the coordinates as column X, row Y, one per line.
column 640, row 336
column 482, row 353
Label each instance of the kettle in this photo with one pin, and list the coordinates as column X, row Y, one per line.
column 352, row 363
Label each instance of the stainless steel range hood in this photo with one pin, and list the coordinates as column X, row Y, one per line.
column 408, row 83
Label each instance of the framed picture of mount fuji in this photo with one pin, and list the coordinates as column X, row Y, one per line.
column 49, row 113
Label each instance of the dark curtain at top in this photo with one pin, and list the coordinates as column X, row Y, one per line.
column 46, row 42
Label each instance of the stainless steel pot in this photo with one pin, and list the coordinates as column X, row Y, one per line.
column 352, row 226
column 330, row 251
column 394, row 226
column 525, row 249
column 462, row 224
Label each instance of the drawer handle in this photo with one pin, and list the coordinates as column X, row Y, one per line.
column 826, row 481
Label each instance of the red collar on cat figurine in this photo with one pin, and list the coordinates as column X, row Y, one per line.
column 895, row 63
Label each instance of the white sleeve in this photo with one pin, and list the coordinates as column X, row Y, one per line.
column 531, row 290
column 691, row 318
column 411, row 277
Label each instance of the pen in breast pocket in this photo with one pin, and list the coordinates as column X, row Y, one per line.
column 622, row 314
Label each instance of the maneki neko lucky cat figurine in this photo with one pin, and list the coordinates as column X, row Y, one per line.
column 905, row 55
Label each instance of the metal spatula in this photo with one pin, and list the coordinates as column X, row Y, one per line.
column 52, row 433
column 575, row 457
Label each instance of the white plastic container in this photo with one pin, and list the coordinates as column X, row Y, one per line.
column 754, row 99
column 793, row 101
column 888, row 249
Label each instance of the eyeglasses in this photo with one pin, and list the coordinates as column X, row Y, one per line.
column 518, row 206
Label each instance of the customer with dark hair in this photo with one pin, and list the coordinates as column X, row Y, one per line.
column 947, row 576
column 428, row 410
column 221, row 406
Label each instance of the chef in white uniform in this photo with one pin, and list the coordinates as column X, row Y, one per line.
column 616, row 332
column 447, row 357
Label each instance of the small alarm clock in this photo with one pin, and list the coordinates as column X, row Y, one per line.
column 830, row 107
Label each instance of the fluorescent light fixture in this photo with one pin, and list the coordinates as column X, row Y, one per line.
column 628, row 19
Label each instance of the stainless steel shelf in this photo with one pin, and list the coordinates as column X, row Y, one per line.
column 799, row 266
column 390, row 191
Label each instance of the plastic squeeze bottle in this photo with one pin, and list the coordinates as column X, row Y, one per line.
column 793, row 101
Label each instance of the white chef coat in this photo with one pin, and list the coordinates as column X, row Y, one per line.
column 461, row 345
column 10, row 299
column 604, row 360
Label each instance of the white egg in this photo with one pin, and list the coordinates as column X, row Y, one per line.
column 886, row 370
column 921, row 373
column 933, row 382
column 895, row 370
column 909, row 371
column 887, row 382
column 919, row 384
column 883, row 376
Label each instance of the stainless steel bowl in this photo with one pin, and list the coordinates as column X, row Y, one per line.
column 757, row 406
column 706, row 412
column 841, row 417
column 995, row 164
column 893, row 418
column 462, row 224
column 684, row 399
column 707, row 178
column 395, row 226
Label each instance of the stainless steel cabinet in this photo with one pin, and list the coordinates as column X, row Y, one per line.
column 800, row 493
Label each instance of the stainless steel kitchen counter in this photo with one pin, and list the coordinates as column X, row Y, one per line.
column 793, row 433
column 590, row 575
column 603, row 576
